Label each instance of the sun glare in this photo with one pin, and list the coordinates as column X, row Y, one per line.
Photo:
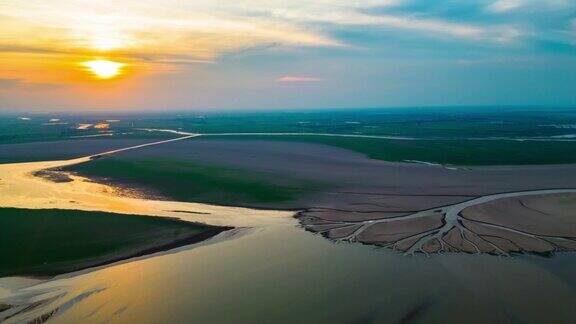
column 104, row 69
column 106, row 44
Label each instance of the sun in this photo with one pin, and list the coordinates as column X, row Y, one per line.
column 104, row 69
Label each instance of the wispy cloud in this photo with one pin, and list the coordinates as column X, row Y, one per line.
column 200, row 31
column 203, row 30
column 7, row 83
column 505, row 5
column 424, row 25
column 12, row 83
column 293, row 78
column 43, row 41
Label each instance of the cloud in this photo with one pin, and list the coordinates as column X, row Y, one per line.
column 14, row 83
column 204, row 30
column 496, row 60
column 505, row 5
column 44, row 40
column 7, row 83
column 8, row 48
column 198, row 30
column 415, row 23
column 291, row 78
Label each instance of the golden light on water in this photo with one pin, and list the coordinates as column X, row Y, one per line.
column 104, row 69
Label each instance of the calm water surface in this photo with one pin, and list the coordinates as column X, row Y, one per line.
column 282, row 274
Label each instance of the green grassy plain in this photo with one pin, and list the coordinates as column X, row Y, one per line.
column 50, row 241
column 188, row 181
column 447, row 135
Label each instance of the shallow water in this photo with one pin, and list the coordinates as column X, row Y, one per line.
column 276, row 272
column 284, row 274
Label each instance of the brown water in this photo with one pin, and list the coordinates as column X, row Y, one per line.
column 276, row 272
column 284, row 274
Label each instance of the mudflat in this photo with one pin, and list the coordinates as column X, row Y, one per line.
column 357, row 194
column 62, row 150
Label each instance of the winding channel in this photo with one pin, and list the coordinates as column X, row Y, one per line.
column 452, row 219
column 20, row 188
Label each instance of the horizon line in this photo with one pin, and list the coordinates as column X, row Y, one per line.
column 130, row 111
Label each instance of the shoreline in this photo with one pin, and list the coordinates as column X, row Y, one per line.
column 27, row 186
column 138, row 191
column 104, row 261
column 82, row 193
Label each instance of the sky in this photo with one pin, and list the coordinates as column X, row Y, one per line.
column 278, row 54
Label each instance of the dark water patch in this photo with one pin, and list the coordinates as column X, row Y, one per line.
column 189, row 212
column 53, row 175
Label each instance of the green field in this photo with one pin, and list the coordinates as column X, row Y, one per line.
column 188, row 181
column 447, row 135
column 449, row 152
column 50, row 242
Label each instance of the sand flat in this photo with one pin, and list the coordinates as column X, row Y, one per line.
column 20, row 188
column 362, row 197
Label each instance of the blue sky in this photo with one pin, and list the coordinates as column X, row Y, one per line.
column 272, row 54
